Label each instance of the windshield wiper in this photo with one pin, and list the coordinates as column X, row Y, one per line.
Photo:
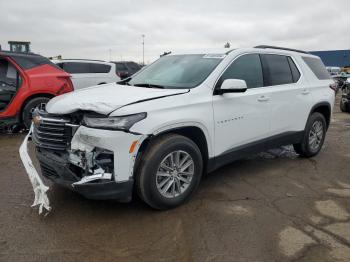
column 124, row 81
column 149, row 85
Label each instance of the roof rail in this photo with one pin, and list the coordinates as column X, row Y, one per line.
column 80, row 59
column 280, row 48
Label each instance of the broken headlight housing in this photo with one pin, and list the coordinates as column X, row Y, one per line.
column 113, row 122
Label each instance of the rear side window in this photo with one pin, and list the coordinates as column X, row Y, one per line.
column 277, row 70
column 317, row 67
column 76, row 68
column 99, row 68
column 85, row 68
column 246, row 67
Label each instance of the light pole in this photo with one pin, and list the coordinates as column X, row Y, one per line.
column 143, row 49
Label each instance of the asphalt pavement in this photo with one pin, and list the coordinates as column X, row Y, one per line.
column 273, row 206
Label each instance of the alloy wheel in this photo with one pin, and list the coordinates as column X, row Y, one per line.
column 316, row 135
column 174, row 174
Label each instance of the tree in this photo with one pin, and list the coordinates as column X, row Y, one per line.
column 227, row 45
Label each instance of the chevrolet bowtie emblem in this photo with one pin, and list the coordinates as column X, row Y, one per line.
column 37, row 120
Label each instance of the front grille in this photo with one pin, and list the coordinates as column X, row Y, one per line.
column 52, row 132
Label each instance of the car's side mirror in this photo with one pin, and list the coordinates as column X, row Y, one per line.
column 233, row 86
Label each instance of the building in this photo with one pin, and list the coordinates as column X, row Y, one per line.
column 19, row 46
column 339, row 58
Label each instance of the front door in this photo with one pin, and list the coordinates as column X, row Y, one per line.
column 242, row 119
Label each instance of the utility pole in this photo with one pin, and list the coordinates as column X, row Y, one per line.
column 143, row 49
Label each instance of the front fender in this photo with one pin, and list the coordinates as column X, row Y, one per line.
column 166, row 127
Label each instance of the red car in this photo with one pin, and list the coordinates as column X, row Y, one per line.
column 28, row 81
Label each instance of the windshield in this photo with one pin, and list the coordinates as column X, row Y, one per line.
column 177, row 71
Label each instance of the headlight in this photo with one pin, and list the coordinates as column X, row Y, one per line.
column 114, row 122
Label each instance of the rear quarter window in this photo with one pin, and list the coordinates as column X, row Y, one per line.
column 99, row 68
column 317, row 67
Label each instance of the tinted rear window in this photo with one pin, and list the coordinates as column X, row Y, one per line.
column 85, row 68
column 76, row 68
column 317, row 67
column 31, row 61
column 99, row 68
column 277, row 70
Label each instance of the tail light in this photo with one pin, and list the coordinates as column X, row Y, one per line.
column 334, row 87
column 67, row 85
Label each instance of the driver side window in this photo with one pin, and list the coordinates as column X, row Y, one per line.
column 247, row 67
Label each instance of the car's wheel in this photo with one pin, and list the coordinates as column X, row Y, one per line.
column 37, row 102
column 314, row 135
column 169, row 171
column 343, row 106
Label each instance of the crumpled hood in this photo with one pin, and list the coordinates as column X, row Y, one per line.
column 104, row 99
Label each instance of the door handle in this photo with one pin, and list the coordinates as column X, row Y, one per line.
column 305, row 92
column 263, row 99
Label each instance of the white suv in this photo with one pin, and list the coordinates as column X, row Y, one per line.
column 86, row 73
column 182, row 116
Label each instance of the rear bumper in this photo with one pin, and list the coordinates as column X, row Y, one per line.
column 59, row 170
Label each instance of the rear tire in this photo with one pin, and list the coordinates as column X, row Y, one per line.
column 343, row 106
column 163, row 165
column 37, row 102
column 313, row 138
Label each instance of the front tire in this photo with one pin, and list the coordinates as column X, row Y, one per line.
column 37, row 102
column 314, row 135
column 169, row 171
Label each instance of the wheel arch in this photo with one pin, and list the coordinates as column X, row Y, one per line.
column 195, row 133
column 323, row 108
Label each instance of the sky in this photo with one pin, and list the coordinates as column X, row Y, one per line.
column 113, row 29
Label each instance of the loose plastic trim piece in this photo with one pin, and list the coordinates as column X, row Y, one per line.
column 39, row 187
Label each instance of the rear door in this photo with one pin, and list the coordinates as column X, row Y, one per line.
column 100, row 73
column 241, row 119
column 288, row 92
column 10, row 81
column 80, row 73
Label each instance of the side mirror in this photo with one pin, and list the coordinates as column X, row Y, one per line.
column 233, row 86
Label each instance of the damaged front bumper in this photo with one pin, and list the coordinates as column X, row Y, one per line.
column 93, row 186
column 96, row 163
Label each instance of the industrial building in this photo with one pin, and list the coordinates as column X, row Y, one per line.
column 339, row 58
